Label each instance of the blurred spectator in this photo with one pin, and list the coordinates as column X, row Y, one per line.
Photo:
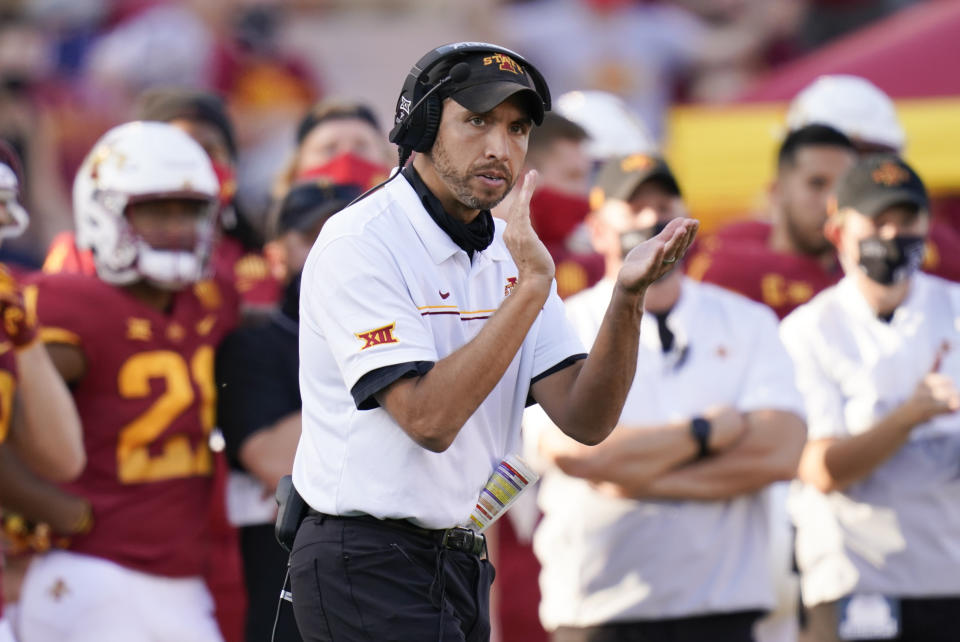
column 237, row 257
column 268, row 87
column 334, row 128
column 27, row 125
column 259, row 407
column 741, row 40
column 825, row 20
column 557, row 150
column 650, row 52
column 878, row 517
column 637, row 51
column 613, row 129
column 859, row 109
column 204, row 117
column 852, row 105
column 164, row 44
column 785, row 262
column 687, row 559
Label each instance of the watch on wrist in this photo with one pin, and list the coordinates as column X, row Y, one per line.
column 700, row 430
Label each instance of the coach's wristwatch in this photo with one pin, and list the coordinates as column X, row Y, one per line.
column 700, row 431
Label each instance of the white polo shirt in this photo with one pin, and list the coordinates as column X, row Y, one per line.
column 607, row 560
column 897, row 531
column 385, row 285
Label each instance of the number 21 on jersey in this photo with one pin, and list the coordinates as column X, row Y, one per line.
column 177, row 458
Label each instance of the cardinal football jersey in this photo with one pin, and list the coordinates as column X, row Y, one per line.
column 147, row 404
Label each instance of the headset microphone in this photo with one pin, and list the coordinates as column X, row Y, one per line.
column 458, row 73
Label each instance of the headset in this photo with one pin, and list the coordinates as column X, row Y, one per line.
column 419, row 108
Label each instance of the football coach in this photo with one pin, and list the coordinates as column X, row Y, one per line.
column 426, row 327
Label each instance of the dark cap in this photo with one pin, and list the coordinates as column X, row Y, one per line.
column 326, row 111
column 310, row 203
column 493, row 78
column 166, row 104
column 620, row 177
column 879, row 182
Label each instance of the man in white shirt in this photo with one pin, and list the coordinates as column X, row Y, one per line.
column 878, row 518
column 661, row 531
column 426, row 326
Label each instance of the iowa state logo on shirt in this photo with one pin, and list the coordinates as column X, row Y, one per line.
column 378, row 336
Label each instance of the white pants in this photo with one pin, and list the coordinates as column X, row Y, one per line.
column 68, row 597
column 6, row 631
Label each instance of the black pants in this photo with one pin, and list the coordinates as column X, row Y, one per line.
column 356, row 580
column 921, row 620
column 264, row 566
column 726, row 627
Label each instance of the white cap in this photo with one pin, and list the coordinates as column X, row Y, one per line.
column 614, row 129
column 850, row 104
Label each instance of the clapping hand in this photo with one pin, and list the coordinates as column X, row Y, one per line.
column 528, row 251
column 655, row 257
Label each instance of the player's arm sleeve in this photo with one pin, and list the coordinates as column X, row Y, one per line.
column 365, row 390
column 251, row 394
column 769, row 383
column 355, row 296
column 822, row 396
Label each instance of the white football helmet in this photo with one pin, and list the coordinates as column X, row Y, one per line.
column 852, row 105
column 135, row 162
column 614, row 129
column 10, row 198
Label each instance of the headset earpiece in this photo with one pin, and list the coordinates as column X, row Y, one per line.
column 431, row 110
column 415, row 126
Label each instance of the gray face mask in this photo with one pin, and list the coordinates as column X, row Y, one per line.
column 893, row 260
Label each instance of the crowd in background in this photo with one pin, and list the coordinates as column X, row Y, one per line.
column 69, row 70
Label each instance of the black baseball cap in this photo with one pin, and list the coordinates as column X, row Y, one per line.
column 173, row 103
column 493, row 78
column 326, row 111
column 620, row 177
column 310, row 203
column 877, row 183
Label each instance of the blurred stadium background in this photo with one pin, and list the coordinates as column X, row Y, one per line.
column 711, row 78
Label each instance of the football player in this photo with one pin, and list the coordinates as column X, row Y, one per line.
column 136, row 343
column 785, row 262
column 861, row 111
column 39, row 426
column 236, row 255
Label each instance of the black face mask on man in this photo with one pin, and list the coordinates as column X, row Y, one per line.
column 889, row 261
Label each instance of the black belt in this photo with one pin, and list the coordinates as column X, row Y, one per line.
column 455, row 539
